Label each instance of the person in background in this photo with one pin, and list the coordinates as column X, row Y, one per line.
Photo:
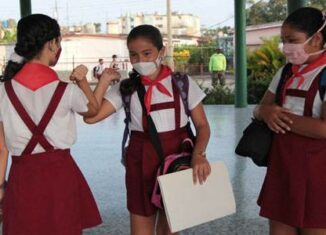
column 217, row 67
column 98, row 69
column 114, row 63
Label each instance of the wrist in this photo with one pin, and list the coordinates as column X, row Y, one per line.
column 199, row 154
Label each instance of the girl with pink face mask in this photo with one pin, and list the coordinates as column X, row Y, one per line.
column 163, row 103
column 294, row 190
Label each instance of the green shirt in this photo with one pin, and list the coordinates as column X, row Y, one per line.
column 217, row 62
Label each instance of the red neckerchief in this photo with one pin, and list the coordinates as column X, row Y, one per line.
column 34, row 76
column 146, row 81
column 321, row 60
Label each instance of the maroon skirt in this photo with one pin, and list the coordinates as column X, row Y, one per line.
column 47, row 194
column 142, row 163
column 294, row 189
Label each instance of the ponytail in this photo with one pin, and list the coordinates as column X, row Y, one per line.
column 129, row 86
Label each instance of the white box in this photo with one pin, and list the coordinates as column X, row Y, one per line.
column 187, row 205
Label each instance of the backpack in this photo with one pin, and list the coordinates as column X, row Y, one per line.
column 182, row 83
column 172, row 163
column 287, row 72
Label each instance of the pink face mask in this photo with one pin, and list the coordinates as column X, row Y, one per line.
column 295, row 52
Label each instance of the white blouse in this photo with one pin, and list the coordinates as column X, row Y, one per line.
column 61, row 130
column 296, row 104
column 164, row 120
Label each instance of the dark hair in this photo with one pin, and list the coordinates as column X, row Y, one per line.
column 99, row 60
column 307, row 20
column 114, row 56
column 153, row 35
column 33, row 31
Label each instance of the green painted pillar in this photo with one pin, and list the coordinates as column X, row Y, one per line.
column 25, row 8
column 295, row 4
column 240, row 54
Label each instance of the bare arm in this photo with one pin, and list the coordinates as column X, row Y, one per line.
column 201, row 167
column 79, row 75
column 105, row 111
column 106, row 108
column 309, row 126
column 276, row 117
column 3, row 160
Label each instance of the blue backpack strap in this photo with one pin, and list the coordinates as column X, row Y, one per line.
column 322, row 84
column 182, row 82
column 126, row 102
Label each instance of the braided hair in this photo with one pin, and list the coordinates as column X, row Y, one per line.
column 33, row 31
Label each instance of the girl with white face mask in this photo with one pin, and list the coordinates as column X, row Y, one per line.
column 163, row 103
column 295, row 181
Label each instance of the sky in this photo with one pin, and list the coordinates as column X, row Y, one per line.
column 212, row 13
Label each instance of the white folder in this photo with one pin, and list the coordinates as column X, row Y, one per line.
column 187, row 205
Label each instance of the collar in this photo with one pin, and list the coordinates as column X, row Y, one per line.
column 34, row 76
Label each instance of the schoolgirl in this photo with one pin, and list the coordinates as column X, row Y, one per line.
column 46, row 191
column 293, row 193
column 163, row 103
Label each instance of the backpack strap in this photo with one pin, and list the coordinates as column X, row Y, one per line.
column 286, row 73
column 182, row 82
column 322, row 84
column 126, row 104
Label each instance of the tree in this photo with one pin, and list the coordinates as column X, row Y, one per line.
column 320, row 4
column 264, row 11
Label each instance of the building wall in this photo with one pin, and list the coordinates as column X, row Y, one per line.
column 256, row 34
column 182, row 24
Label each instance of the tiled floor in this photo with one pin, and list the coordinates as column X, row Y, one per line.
column 97, row 152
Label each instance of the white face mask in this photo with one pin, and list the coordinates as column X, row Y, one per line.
column 295, row 52
column 147, row 68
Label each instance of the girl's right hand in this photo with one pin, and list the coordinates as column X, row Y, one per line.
column 275, row 117
column 110, row 75
column 79, row 73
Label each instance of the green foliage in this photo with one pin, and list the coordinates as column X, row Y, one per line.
column 263, row 11
column 219, row 95
column 256, row 89
column 320, row 4
column 9, row 37
column 263, row 63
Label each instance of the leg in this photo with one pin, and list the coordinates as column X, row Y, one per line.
column 313, row 231
column 142, row 225
column 278, row 228
column 221, row 78
column 162, row 227
column 214, row 78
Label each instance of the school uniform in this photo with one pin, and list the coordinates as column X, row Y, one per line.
column 169, row 116
column 46, row 192
column 295, row 184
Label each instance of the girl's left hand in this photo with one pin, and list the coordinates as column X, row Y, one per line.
column 79, row 73
column 200, row 169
